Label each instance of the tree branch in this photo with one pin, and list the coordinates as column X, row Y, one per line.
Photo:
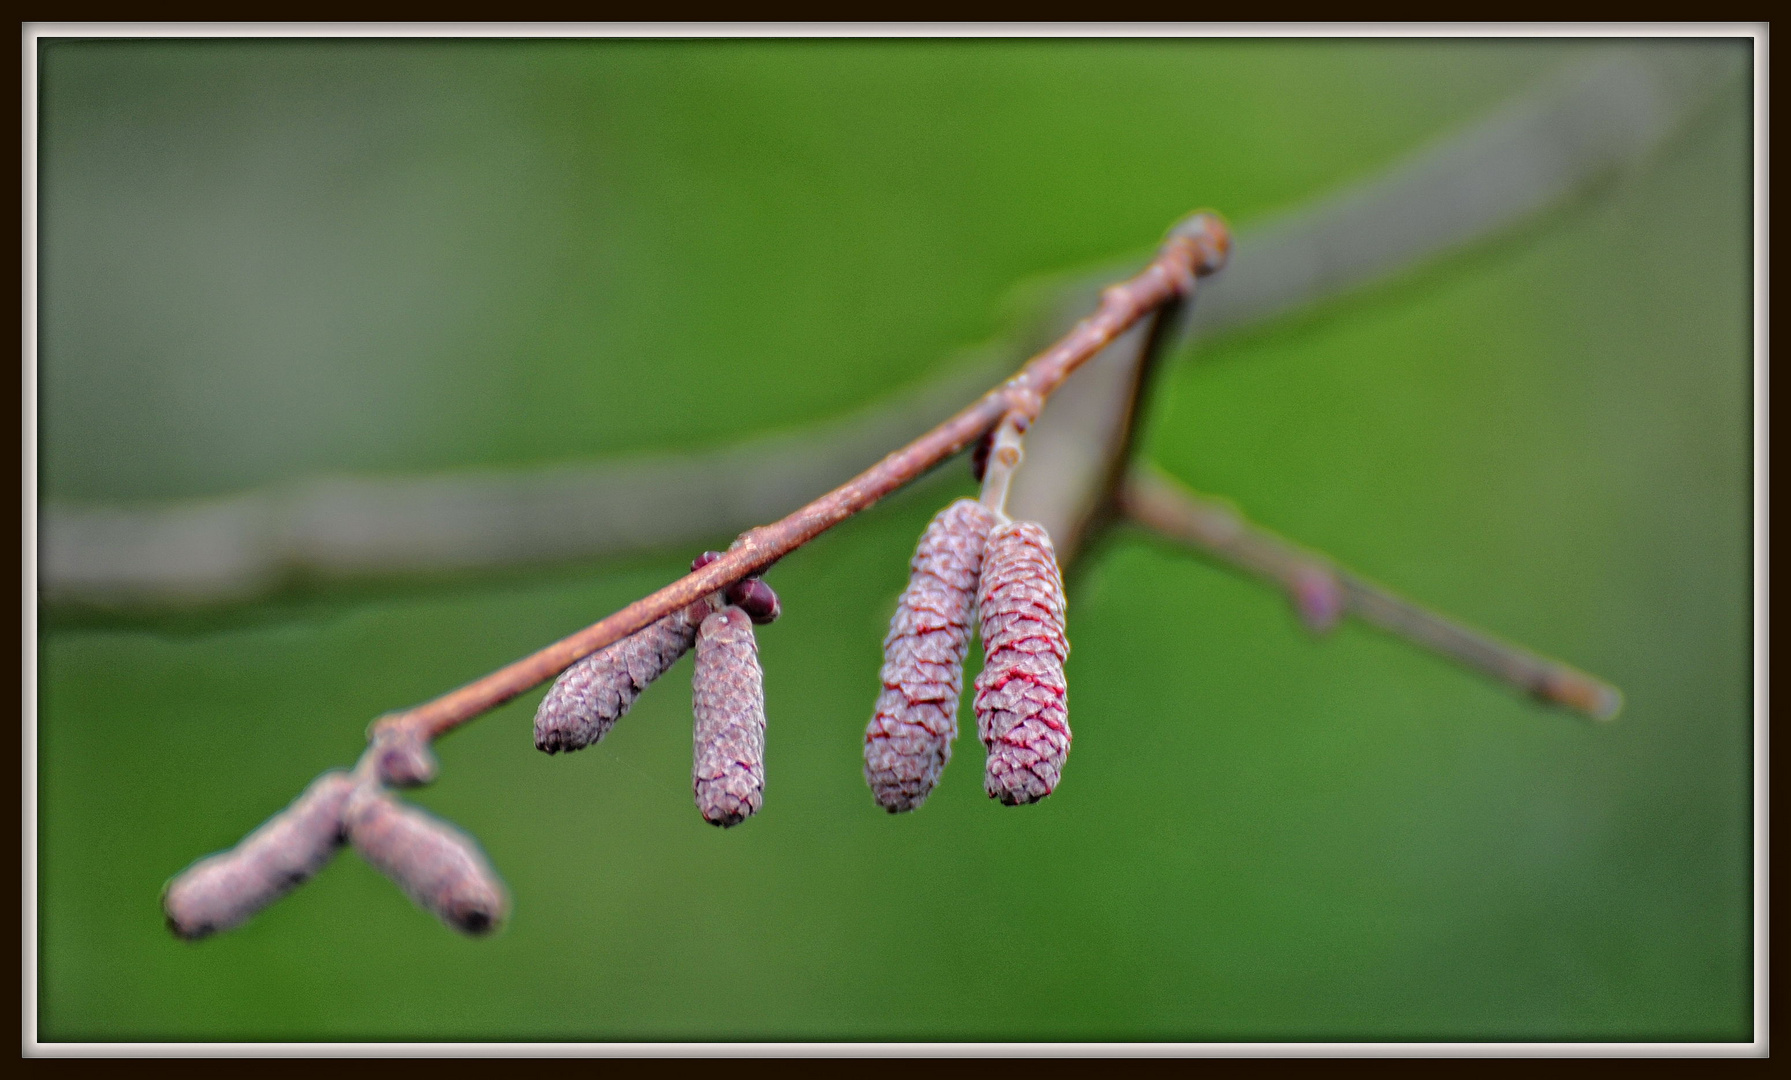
column 1196, row 247
column 1322, row 592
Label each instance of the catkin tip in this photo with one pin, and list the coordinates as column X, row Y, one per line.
column 440, row 868
column 193, row 930
column 224, row 890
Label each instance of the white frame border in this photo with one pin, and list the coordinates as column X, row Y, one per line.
column 32, row 33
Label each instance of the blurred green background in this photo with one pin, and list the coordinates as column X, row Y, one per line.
column 264, row 260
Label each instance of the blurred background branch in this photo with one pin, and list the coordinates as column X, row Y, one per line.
column 1323, row 592
column 1591, row 119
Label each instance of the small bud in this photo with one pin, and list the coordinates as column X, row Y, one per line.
column 223, row 890
column 749, row 594
column 435, row 864
column 756, row 598
column 1022, row 699
column 403, row 759
column 909, row 738
column 728, row 698
column 590, row 696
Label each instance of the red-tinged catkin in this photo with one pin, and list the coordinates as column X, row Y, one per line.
column 436, row 865
column 909, row 738
column 728, row 697
column 223, row 890
column 1022, row 703
column 591, row 695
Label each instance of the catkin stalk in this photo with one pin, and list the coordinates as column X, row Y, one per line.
column 728, row 698
column 224, row 890
column 1022, row 699
column 436, row 865
column 910, row 736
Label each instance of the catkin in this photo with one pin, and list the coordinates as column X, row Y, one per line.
column 728, row 698
column 435, row 864
column 223, row 890
column 1022, row 707
column 591, row 695
column 909, row 738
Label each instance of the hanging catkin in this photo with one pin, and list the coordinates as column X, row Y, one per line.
column 909, row 738
column 222, row 891
column 728, row 697
column 1022, row 708
column 435, row 864
column 591, row 695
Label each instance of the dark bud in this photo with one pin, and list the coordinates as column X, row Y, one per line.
column 750, row 595
column 756, row 598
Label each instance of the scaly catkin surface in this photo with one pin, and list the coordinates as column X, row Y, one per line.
column 728, row 697
column 909, row 738
column 1022, row 703
column 434, row 863
column 591, row 695
column 222, row 891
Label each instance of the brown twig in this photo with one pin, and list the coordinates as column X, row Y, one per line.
column 1195, row 248
column 1323, row 592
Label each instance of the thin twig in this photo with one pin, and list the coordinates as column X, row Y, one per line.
column 1197, row 247
column 1005, row 455
column 1322, row 592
